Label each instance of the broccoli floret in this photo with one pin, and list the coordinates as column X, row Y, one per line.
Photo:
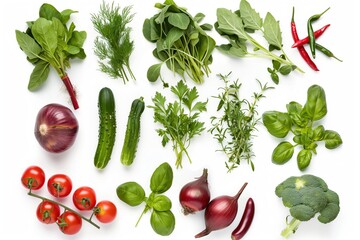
column 306, row 196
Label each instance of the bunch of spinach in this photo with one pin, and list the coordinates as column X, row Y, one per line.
column 48, row 41
column 300, row 120
column 234, row 128
column 181, row 42
column 238, row 28
column 179, row 119
column 162, row 220
column 114, row 47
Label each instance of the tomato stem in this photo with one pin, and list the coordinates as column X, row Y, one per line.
column 65, row 207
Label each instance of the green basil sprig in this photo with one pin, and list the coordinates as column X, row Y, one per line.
column 162, row 220
column 300, row 120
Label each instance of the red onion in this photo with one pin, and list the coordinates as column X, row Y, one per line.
column 220, row 212
column 56, row 128
column 195, row 196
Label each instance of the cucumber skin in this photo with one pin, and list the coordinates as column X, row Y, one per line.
column 132, row 134
column 107, row 128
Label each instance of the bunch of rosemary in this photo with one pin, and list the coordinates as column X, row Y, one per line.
column 113, row 47
column 234, row 128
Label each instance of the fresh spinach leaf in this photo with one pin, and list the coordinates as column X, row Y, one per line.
column 28, row 45
column 39, row 75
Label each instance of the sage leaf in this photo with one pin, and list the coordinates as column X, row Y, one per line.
column 39, row 75
column 315, row 106
column 28, row 45
column 163, row 223
column 250, row 17
column 277, row 123
column 161, row 179
column 304, row 159
column 272, row 32
column 179, row 20
column 131, row 193
column 161, row 203
column 332, row 139
column 282, row 153
column 153, row 72
column 230, row 23
column 45, row 35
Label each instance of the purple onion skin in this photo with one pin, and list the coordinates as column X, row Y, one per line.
column 220, row 213
column 56, row 128
column 195, row 196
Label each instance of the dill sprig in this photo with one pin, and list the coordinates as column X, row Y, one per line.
column 113, row 47
column 234, row 128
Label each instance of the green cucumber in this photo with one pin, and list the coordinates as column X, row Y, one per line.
column 107, row 128
column 132, row 134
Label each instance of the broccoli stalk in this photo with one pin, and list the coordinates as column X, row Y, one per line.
column 306, row 196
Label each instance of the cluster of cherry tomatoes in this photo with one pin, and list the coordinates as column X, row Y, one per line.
column 60, row 186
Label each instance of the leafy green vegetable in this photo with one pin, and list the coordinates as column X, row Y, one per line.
column 181, row 42
column 306, row 196
column 234, row 128
column 114, row 47
column 239, row 27
column 162, row 220
column 300, row 120
column 48, row 41
column 179, row 119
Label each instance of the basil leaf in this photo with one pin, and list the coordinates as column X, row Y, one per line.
column 179, row 20
column 173, row 35
column 282, row 153
column 319, row 133
column 294, row 110
column 161, row 203
column 332, row 139
column 49, row 12
column 304, row 159
column 163, row 223
column 230, row 23
column 250, row 17
column 28, row 45
column 272, row 32
column 45, row 34
column 315, row 106
column 153, row 72
column 277, row 123
column 161, row 179
column 131, row 193
column 39, row 75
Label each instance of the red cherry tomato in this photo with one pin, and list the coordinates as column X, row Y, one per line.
column 33, row 178
column 84, row 198
column 69, row 223
column 47, row 212
column 59, row 185
column 105, row 211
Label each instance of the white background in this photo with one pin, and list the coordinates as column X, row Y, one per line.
column 19, row 149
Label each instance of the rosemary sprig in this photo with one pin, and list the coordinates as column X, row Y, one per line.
column 113, row 47
column 234, row 128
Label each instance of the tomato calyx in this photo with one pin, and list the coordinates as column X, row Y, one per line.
column 58, row 188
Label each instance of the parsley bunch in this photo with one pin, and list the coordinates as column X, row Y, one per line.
column 179, row 119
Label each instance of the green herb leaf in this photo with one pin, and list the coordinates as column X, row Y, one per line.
column 277, row 123
column 39, row 75
column 153, row 72
column 230, row 23
column 173, row 35
column 45, row 35
column 304, row 159
column 161, row 179
column 163, row 223
column 282, row 153
column 66, row 15
column 179, row 20
column 332, row 139
column 315, row 106
column 28, row 45
column 285, row 70
column 131, row 193
column 49, row 12
column 319, row 133
column 294, row 109
column 272, row 32
column 161, row 203
column 250, row 17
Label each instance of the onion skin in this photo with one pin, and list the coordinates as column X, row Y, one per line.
column 56, row 128
column 195, row 196
column 220, row 212
column 245, row 222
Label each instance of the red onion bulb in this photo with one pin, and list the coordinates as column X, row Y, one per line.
column 220, row 212
column 56, row 128
column 195, row 196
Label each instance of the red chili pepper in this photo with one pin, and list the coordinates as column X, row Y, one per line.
column 317, row 34
column 301, row 49
column 245, row 222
